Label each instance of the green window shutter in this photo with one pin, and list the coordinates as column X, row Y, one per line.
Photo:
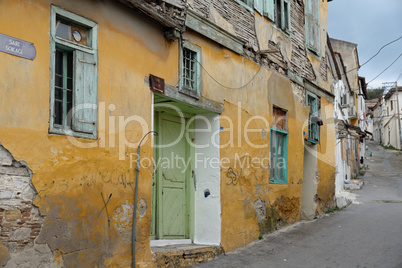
column 259, row 6
column 85, row 93
column 269, row 9
column 308, row 10
column 312, row 25
column 317, row 25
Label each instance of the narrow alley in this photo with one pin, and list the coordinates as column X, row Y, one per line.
column 368, row 233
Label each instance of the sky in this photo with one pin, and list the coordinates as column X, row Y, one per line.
column 370, row 24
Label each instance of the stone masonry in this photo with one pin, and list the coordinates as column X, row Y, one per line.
column 20, row 220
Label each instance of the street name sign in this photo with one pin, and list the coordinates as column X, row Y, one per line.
column 17, row 47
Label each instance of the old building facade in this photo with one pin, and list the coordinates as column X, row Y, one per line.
column 387, row 118
column 241, row 97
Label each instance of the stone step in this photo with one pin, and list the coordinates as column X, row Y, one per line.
column 184, row 255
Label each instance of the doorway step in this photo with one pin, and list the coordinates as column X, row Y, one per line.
column 184, row 255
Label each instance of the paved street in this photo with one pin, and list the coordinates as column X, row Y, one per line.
column 366, row 234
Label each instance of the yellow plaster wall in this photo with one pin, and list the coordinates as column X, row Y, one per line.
column 239, row 218
column 72, row 182
column 326, row 158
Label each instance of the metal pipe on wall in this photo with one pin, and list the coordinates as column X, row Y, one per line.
column 137, row 169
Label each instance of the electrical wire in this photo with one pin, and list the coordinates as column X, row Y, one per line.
column 385, row 69
column 375, row 54
column 227, row 86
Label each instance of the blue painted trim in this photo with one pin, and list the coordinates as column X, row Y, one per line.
column 276, row 180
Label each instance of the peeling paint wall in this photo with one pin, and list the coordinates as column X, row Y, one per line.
column 85, row 195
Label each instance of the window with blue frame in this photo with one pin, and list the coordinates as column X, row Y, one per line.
column 313, row 134
column 278, row 147
column 73, row 109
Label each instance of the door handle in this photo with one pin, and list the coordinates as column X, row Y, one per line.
column 194, row 179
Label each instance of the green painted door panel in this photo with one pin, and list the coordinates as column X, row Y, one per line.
column 172, row 179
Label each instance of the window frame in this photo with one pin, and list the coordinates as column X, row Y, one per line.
column 315, row 125
column 269, row 9
column 195, row 93
column 280, row 22
column 58, row 43
column 273, row 179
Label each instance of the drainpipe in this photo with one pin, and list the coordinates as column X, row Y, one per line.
column 137, row 169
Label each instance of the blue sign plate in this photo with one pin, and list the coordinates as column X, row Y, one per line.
column 17, row 47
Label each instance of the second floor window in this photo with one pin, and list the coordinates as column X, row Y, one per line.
column 74, row 67
column 282, row 14
column 190, row 69
column 277, row 11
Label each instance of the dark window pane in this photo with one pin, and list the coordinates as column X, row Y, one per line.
column 70, row 64
column 70, row 83
column 58, row 94
column 58, row 80
column 59, row 62
column 58, row 112
column 286, row 15
column 278, row 14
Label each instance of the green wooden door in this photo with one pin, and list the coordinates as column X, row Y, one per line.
column 171, row 182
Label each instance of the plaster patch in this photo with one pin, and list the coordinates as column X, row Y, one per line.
column 142, row 207
column 260, row 209
column 248, row 207
column 39, row 255
column 123, row 218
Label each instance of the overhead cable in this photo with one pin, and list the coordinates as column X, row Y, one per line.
column 385, row 69
column 375, row 54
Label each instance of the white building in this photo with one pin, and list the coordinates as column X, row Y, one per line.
column 391, row 118
column 362, row 119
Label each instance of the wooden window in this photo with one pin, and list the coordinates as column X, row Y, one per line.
column 313, row 127
column 190, row 69
column 278, row 147
column 73, row 109
column 277, row 11
column 312, row 18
